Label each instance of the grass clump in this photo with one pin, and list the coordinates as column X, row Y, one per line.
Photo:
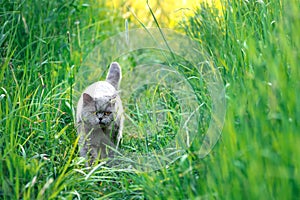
column 42, row 44
column 255, row 45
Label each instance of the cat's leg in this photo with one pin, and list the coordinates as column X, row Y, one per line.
column 116, row 132
column 103, row 151
column 94, row 152
column 119, row 132
column 83, row 150
column 86, row 151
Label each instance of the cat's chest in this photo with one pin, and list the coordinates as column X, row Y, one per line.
column 97, row 136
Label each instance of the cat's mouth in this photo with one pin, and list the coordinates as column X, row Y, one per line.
column 102, row 124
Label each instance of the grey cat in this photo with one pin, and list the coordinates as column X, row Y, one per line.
column 99, row 117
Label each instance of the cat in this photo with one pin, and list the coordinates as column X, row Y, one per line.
column 99, row 117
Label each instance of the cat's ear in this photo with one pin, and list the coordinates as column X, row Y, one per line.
column 114, row 75
column 87, row 98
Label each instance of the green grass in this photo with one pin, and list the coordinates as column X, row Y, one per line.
column 256, row 49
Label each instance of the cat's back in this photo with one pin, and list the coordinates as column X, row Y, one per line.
column 99, row 89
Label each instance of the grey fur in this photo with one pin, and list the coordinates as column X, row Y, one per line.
column 99, row 117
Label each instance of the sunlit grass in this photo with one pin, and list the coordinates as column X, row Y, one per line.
column 168, row 13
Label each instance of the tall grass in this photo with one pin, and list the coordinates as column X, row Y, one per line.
column 42, row 43
column 254, row 44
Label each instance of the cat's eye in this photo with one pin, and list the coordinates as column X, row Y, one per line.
column 107, row 113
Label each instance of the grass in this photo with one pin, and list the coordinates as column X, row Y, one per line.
column 255, row 46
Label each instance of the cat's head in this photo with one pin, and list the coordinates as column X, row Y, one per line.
column 98, row 111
